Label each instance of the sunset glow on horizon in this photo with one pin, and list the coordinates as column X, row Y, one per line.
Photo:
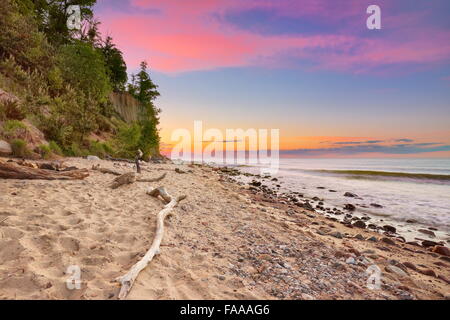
column 309, row 68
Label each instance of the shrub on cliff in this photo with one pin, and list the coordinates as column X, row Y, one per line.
column 13, row 129
column 55, row 148
column 20, row 149
column 45, row 151
column 10, row 109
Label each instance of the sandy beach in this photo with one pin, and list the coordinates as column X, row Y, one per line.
column 223, row 241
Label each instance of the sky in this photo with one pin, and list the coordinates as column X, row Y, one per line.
column 310, row 68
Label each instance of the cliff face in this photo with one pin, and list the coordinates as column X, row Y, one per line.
column 127, row 106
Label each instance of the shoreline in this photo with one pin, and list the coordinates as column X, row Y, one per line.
column 223, row 242
column 372, row 214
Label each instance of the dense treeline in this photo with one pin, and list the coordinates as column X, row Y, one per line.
column 64, row 78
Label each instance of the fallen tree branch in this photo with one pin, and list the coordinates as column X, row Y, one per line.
column 153, row 179
column 120, row 160
column 131, row 177
column 13, row 171
column 126, row 178
column 106, row 170
column 128, row 279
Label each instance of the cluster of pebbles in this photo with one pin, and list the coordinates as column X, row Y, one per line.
column 309, row 269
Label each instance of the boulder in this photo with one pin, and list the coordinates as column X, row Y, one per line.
column 34, row 136
column 5, row 148
column 388, row 241
column 427, row 232
column 255, row 183
column 427, row 272
column 93, row 158
column 442, row 277
column 336, row 235
column 389, row 228
column 360, row 224
column 350, row 195
column 396, row 270
column 429, row 243
column 442, row 250
column 349, row 207
column 410, row 265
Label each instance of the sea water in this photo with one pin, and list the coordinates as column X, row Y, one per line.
column 407, row 189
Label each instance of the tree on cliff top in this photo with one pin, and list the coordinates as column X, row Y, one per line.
column 117, row 69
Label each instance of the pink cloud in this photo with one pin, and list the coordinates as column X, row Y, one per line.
column 186, row 36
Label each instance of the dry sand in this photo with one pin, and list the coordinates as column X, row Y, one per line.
column 221, row 243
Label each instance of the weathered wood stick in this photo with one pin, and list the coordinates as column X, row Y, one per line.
column 126, row 178
column 128, row 279
column 106, row 170
column 131, row 177
column 13, row 171
column 138, row 156
column 153, row 179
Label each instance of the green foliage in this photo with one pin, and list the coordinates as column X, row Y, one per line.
column 143, row 89
column 142, row 86
column 20, row 37
column 11, row 109
column 55, row 79
column 117, row 69
column 52, row 17
column 127, row 140
column 83, row 67
column 75, row 150
column 20, row 149
column 45, row 151
column 13, row 129
column 100, row 149
column 63, row 79
column 143, row 136
column 55, row 148
column 149, row 139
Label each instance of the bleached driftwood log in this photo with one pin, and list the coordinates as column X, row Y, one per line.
column 153, row 179
column 119, row 159
column 131, row 177
column 106, row 170
column 128, row 279
column 14, row 171
column 136, row 159
column 126, row 178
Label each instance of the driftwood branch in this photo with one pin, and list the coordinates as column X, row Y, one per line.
column 126, row 178
column 106, row 170
column 138, row 156
column 128, row 279
column 131, row 177
column 119, row 159
column 153, row 179
column 13, row 171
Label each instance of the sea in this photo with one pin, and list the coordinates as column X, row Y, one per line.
column 403, row 189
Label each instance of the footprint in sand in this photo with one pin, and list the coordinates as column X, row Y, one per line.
column 11, row 233
column 70, row 244
column 10, row 250
column 75, row 221
column 43, row 243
